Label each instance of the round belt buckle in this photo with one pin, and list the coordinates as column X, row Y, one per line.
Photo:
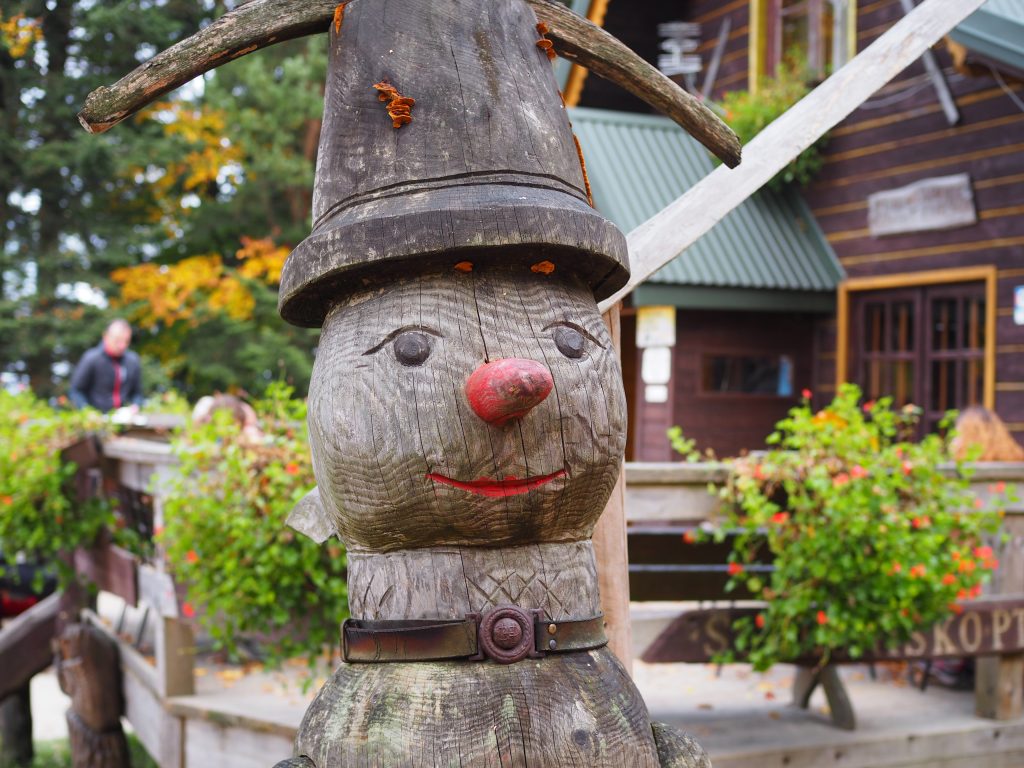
column 505, row 634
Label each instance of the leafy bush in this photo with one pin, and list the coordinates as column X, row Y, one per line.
column 245, row 571
column 38, row 518
column 749, row 113
column 871, row 538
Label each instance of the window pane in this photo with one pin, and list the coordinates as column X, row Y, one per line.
column 903, row 383
column 975, row 373
column 944, row 325
column 874, row 323
column 902, row 338
column 748, row 374
column 974, row 323
column 943, row 385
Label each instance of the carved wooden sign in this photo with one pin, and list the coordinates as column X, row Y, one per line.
column 943, row 202
column 983, row 627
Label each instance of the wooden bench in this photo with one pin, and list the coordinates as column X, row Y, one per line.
column 663, row 566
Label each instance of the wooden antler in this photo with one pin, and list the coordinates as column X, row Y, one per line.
column 261, row 23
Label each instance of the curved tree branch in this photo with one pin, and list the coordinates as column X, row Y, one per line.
column 261, row 23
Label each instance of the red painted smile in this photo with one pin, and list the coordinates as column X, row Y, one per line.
column 485, row 486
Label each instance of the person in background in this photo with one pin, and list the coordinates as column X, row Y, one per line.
column 248, row 422
column 978, row 426
column 109, row 376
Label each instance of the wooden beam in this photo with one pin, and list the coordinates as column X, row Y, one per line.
column 667, row 234
column 939, row 83
column 25, row 644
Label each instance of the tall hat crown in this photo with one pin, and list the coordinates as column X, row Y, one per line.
column 487, row 166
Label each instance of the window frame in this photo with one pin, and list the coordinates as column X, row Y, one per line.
column 985, row 274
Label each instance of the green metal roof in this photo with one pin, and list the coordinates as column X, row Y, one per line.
column 638, row 164
column 995, row 31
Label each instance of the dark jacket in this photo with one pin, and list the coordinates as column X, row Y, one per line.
column 96, row 374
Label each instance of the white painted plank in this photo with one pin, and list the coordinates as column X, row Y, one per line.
column 666, row 234
column 207, row 744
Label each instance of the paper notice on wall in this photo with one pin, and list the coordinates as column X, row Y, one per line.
column 1018, row 304
column 656, row 393
column 656, row 365
column 655, row 327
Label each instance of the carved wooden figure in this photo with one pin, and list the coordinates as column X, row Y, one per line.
column 466, row 413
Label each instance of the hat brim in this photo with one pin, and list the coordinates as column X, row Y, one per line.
column 478, row 222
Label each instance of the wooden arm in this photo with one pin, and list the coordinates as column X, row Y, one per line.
column 261, row 23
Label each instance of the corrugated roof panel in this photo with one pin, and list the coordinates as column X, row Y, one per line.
column 995, row 31
column 638, row 164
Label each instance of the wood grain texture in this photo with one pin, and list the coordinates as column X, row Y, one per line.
column 574, row 710
column 378, row 428
column 16, row 728
column 255, row 25
column 488, row 163
column 665, row 235
column 25, row 644
column 449, row 582
column 678, row 750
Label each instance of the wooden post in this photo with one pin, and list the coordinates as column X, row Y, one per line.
column 16, row 728
column 610, row 546
column 89, row 672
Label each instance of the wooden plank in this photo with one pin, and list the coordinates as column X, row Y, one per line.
column 111, row 569
column 997, row 689
column 664, row 236
column 160, row 733
column 25, row 644
column 208, row 744
column 985, row 627
column 175, row 657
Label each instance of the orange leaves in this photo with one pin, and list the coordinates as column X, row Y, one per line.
column 169, row 293
column 261, row 259
column 399, row 106
column 18, row 34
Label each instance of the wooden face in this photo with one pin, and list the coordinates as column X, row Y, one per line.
column 404, row 457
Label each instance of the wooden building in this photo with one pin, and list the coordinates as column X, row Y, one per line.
column 920, row 202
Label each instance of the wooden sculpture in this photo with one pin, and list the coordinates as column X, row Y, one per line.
column 466, row 413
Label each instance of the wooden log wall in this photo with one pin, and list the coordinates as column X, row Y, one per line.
column 901, row 136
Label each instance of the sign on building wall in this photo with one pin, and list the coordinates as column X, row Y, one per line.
column 943, row 202
column 1018, row 304
column 655, row 327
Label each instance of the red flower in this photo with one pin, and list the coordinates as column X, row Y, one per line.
column 948, row 579
column 917, row 570
column 975, row 590
column 192, row 557
column 907, row 467
column 806, row 394
column 780, row 517
column 759, row 621
column 857, row 472
column 689, row 537
column 966, row 566
column 921, row 522
column 957, row 609
column 187, row 610
column 983, row 553
column 822, row 618
column 978, row 503
column 868, row 406
column 840, row 480
column 758, row 472
column 291, row 468
column 7, row 500
column 990, row 563
column 999, row 487
column 735, row 568
column 158, row 531
column 955, row 554
column 896, row 568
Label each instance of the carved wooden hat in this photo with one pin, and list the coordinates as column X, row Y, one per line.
column 444, row 132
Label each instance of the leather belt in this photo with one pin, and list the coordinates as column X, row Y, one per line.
column 504, row 634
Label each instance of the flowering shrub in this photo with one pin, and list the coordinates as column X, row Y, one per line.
column 38, row 518
column 871, row 539
column 226, row 539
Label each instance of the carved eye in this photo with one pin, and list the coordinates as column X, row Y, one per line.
column 412, row 347
column 569, row 341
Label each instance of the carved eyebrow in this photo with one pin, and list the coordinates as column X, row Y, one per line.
column 403, row 329
column 580, row 328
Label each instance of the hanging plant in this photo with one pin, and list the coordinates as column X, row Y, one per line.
column 748, row 113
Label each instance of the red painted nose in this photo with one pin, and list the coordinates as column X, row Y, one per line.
column 507, row 389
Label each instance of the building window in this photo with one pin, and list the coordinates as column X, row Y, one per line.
column 747, row 375
column 923, row 345
column 821, row 33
